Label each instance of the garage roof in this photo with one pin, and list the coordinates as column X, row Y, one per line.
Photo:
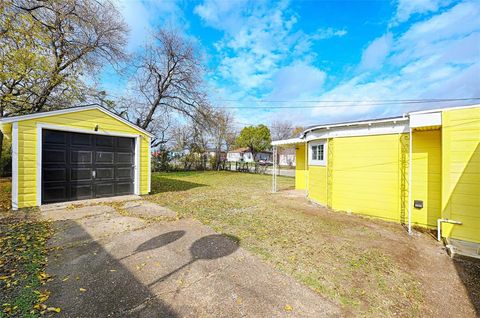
column 72, row 110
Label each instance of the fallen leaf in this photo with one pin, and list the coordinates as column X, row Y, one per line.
column 53, row 309
column 83, row 290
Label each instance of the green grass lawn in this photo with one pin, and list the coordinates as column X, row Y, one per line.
column 343, row 257
column 23, row 258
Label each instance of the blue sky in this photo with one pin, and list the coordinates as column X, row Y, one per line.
column 300, row 51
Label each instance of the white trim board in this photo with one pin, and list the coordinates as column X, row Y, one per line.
column 41, row 126
column 73, row 110
column 149, row 165
column 15, row 166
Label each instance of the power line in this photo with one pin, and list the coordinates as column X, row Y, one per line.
column 363, row 103
column 432, row 100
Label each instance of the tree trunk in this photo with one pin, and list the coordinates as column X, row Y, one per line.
column 1, row 149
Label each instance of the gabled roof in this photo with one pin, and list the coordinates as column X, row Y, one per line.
column 240, row 150
column 72, row 110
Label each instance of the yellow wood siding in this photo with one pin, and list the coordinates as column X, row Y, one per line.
column 426, row 177
column 461, row 173
column 86, row 120
column 367, row 175
column 317, row 184
column 300, row 177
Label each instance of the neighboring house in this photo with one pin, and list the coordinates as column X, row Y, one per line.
column 372, row 168
column 286, row 157
column 76, row 153
column 245, row 155
column 212, row 153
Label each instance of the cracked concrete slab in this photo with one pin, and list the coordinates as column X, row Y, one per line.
column 168, row 269
column 76, row 213
column 148, row 209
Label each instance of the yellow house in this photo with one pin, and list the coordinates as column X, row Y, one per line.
column 74, row 154
column 420, row 169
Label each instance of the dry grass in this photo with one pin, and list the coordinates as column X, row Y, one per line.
column 335, row 254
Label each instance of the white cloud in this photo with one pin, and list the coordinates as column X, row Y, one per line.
column 376, row 52
column 435, row 58
column 460, row 20
column 298, row 80
column 327, row 33
column 144, row 16
column 407, row 8
column 263, row 53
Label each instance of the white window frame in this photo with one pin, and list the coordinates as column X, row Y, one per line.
column 315, row 162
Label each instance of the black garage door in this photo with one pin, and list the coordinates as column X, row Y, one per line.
column 83, row 166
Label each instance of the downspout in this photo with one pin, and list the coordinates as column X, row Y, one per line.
column 410, row 181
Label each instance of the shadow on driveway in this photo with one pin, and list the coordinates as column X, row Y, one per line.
column 90, row 282
column 207, row 248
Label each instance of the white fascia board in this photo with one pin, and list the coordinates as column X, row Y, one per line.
column 291, row 141
column 425, row 119
column 443, row 109
column 72, row 110
column 382, row 128
column 358, row 123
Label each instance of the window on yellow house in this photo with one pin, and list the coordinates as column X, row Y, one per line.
column 317, row 153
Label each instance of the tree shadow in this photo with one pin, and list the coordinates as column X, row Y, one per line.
column 209, row 247
column 90, row 282
column 161, row 184
column 469, row 273
column 159, row 241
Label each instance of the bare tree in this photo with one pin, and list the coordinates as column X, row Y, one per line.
column 281, row 130
column 222, row 132
column 168, row 79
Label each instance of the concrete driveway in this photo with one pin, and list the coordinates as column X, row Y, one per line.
column 145, row 263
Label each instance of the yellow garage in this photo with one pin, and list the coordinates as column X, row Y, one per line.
column 75, row 154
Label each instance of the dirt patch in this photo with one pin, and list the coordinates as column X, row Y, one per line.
column 440, row 280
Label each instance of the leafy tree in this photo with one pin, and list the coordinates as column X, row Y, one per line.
column 257, row 138
column 48, row 48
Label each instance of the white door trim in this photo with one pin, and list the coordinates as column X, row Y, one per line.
column 41, row 126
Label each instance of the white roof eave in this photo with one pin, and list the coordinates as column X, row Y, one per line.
column 291, row 141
